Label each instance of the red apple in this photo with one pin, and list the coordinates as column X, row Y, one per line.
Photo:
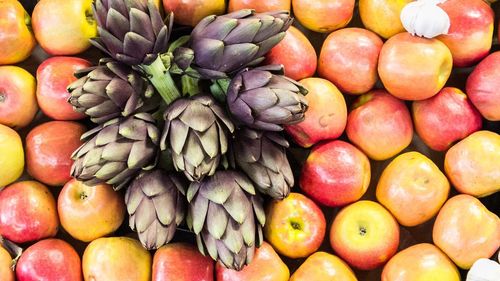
column 365, row 235
column 375, row 116
column 6, row 273
column 53, row 76
column 16, row 38
column 471, row 30
column 260, row 6
column 445, row 118
column 349, row 59
column 27, row 212
column 50, row 259
column 323, row 15
column 294, row 45
column 181, row 262
column 335, row 174
column 483, row 87
column 326, row 116
column 48, row 151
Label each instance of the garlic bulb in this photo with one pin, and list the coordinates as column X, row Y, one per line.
column 484, row 270
column 425, row 18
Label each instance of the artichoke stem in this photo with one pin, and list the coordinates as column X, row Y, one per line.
column 13, row 250
column 160, row 77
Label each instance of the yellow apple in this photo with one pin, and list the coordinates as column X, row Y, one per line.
column 322, row 266
column 382, row 16
column 12, row 156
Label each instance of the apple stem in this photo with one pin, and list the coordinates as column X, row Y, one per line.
column 2, row 97
column 157, row 72
column 362, row 231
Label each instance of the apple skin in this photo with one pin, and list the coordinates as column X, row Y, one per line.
column 349, row 59
column 260, row 6
column 335, row 173
column 382, row 16
column 472, row 164
column 265, row 266
column 466, row 230
column 295, row 44
column 190, row 12
column 420, row 262
column 12, row 160
column 27, row 212
column 100, row 207
column 48, row 151
column 326, row 116
column 17, row 41
column 53, row 76
column 322, row 266
column 445, row 118
column 323, row 15
column 365, row 235
column 414, row 68
column 50, row 15
column 6, row 273
column 375, row 116
column 116, row 258
column 18, row 104
column 482, row 87
column 471, row 30
column 181, row 262
column 295, row 226
column 412, row 188
column 49, row 259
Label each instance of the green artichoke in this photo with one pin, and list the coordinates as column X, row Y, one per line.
column 197, row 132
column 225, row 44
column 155, row 204
column 262, row 156
column 262, row 98
column 227, row 216
column 117, row 150
column 111, row 90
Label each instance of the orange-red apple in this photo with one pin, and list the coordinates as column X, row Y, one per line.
column 12, row 160
column 414, row 68
column 323, row 15
column 326, row 116
column 260, row 6
column 382, row 16
column 6, row 273
column 322, row 266
column 466, row 230
column 349, row 59
column 295, row 226
column 373, row 117
column 365, row 235
column 190, row 12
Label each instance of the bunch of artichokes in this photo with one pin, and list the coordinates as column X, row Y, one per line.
column 191, row 128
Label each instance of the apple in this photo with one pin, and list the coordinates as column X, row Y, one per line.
column 323, row 15
column 181, row 262
column 466, row 230
column 445, row 118
column 382, row 16
column 27, row 212
column 420, row 262
column 100, row 207
column 322, row 266
column 326, row 116
column 471, row 30
column 17, row 96
column 53, row 76
column 365, row 235
column 295, row 226
column 49, row 259
column 373, row 117
column 265, row 266
column 116, row 258
column 48, row 151
column 412, row 188
column 349, row 58
column 482, row 87
column 414, row 68
column 12, row 152
column 295, row 44
column 260, row 6
column 190, row 12
column 16, row 38
column 335, row 174
column 6, row 273
column 472, row 164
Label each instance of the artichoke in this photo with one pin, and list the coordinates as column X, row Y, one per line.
column 262, row 156
column 111, row 90
column 227, row 43
column 117, row 150
column 155, row 204
column 262, row 98
column 196, row 131
column 227, row 217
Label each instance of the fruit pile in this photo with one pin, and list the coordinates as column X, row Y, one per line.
column 190, row 140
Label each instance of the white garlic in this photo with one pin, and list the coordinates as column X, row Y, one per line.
column 484, row 270
column 425, row 18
